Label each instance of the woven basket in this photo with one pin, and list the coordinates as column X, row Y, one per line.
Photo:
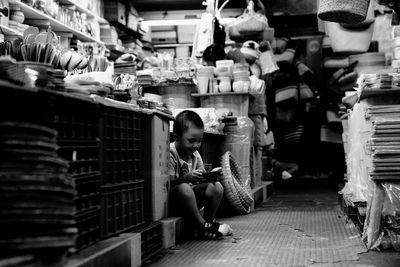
column 343, row 11
column 236, row 193
column 250, row 22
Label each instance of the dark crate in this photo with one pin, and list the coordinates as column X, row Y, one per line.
column 88, row 192
column 73, row 117
column 84, row 165
column 121, row 208
column 121, row 144
column 151, row 240
column 88, row 224
column 82, row 155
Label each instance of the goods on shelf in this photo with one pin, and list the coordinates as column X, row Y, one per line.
column 373, row 149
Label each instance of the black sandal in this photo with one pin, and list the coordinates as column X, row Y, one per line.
column 210, row 230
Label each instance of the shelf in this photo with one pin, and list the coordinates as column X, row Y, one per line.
column 125, row 32
column 32, row 13
column 8, row 31
column 221, row 94
column 117, row 49
column 89, row 13
column 183, row 45
column 171, row 45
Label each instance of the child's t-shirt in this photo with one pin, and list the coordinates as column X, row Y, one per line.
column 178, row 167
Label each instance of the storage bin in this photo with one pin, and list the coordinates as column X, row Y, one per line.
column 121, row 208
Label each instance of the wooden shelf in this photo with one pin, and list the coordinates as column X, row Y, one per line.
column 182, row 45
column 221, row 94
column 118, row 49
column 124, row 32
column 89, row 13
column 8, row 31
column 171, row 45
column 57, row 26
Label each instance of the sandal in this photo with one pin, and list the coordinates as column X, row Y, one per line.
column 215, row 230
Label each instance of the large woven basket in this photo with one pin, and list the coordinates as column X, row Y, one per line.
column 235, row 192
column 343, row 11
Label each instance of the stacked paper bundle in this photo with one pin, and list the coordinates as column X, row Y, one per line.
column 385, row 142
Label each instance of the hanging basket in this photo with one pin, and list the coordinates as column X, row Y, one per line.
column 234, row 189
column 343, row 11
column 251, row 23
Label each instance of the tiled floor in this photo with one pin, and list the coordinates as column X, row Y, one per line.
column 301, row 225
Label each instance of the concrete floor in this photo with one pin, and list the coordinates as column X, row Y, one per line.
column 301, row 225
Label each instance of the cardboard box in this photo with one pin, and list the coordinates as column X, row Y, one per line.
column 115, row 11
column 186, row 33
column 156, row 172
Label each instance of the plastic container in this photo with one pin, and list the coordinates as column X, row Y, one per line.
column 224, row 66
column 121, row 208
column 224, row 84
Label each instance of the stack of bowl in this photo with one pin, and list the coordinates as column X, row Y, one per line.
column 241, row 80
column 204, row 74
column 224, row 72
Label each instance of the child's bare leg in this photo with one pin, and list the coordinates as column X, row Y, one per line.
column 213, row 196
column 184, row 196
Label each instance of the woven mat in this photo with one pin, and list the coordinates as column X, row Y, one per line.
column 272, row 237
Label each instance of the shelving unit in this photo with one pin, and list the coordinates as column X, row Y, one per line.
column 125, row 32
column 89, row 13
column 182, row 45
column 8, row 31
column 171, row 45
column 32, row 13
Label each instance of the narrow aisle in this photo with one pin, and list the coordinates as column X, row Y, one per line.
column 299, row 227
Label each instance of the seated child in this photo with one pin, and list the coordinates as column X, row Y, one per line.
column 189, row 191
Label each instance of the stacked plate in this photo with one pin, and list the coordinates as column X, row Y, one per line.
column 36, row 192
column 57, row 79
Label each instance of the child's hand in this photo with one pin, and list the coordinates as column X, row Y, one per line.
column 194, row 177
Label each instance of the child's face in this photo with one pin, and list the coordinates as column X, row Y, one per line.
column 190, row 141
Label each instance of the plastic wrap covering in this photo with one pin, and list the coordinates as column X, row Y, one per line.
column 208, row 115
column 358, row 157
column 239, row 141
column 382, row 230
